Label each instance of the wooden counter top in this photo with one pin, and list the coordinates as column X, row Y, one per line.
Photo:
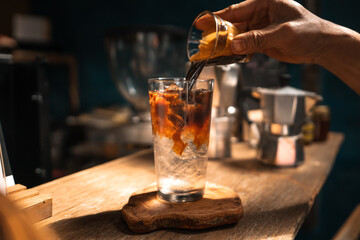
column 87, row 205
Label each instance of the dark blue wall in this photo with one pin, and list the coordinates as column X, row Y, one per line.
column 79, row 26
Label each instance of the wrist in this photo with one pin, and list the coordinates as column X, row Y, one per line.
column 338, row 42
column 341, row 55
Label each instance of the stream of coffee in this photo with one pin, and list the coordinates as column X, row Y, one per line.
column 197, row 66
column 194, row 71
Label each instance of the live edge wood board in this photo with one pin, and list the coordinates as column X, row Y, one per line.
column 87, row 205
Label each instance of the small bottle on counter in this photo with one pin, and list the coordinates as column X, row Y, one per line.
column 308, row 130
column 321, row 118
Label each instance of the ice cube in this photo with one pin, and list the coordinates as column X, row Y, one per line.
column 172, row 87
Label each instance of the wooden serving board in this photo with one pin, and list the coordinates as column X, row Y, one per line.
column 145, row 212
column 37, row 206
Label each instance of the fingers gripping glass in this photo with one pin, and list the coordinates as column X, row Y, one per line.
column 210, row 39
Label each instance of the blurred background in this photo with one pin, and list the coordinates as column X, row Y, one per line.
column 63, row 66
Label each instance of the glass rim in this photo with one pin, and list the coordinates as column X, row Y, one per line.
column 216, row 28
column 177, row 79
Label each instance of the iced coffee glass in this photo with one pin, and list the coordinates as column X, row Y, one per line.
column 210, row 40
column 181, row 126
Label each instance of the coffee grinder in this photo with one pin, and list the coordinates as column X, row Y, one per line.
column 137, row 53
column 284, row 111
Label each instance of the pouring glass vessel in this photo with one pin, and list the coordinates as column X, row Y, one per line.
column 210, row 40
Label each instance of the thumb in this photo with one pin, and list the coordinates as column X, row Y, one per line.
column 253, row 41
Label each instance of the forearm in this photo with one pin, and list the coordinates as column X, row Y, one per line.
column 341, row 54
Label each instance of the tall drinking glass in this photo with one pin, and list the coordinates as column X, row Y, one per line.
column 181, row 127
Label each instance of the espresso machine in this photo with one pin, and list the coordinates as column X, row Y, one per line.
column 283, row 114
column 225, row 109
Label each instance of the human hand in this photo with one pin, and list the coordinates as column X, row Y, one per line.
column 281, row 29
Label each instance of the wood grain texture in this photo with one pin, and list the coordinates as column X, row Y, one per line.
column 16, row 188
column 87, row 204
column 16, row 196
column 35, row 205
column 38, row 207
column 145, row 212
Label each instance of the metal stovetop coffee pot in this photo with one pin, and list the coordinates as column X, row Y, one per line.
column 284, row 111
